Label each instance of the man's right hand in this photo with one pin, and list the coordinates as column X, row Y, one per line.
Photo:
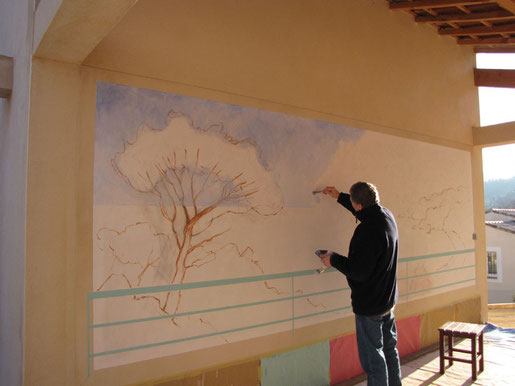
column 331, row 191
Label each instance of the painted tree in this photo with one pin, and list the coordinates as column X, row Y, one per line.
column 199, row 177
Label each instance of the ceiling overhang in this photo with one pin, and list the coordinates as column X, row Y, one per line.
column 68, row 30
column 494, row 135
column 482, row 24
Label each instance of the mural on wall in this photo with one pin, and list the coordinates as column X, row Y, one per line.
column 192, row 191
column 194, row 188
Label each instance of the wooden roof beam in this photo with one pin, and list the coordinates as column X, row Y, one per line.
column 477, row 16
column 494, row 135
column 507, row 4
column 464, row 9
column 495, row 49
column 479, row 30
column 494, row 78
column 422, row 4
column 488, row 41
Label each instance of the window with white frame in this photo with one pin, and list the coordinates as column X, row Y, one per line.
column 493, row 259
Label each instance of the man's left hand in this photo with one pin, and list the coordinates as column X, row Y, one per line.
column 326, row 260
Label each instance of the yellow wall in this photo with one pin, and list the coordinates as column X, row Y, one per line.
column 479, row 228
column 348, row 62
column 52, row 226
column 353, row 60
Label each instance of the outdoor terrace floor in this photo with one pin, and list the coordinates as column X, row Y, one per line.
column 499, row 360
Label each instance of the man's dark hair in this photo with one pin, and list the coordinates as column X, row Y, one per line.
column 364, row 193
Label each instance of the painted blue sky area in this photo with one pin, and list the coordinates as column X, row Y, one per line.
column 289, row 144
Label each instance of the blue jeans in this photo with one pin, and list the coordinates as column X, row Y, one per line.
column 377, row 341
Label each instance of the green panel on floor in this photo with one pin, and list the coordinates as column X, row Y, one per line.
column 307, row 366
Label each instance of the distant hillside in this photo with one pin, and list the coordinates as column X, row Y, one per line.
column 500, row 194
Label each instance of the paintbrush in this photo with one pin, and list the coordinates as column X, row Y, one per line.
column 319, row 253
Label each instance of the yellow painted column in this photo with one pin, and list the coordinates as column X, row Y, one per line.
column 50, row 276
column 479, row 227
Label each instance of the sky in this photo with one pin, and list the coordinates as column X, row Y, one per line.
column 497, row 105
column 284, row 142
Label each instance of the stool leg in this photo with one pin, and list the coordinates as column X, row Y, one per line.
column 442, row 351
column 474, row 359
column 482, row 353
column 450, row 348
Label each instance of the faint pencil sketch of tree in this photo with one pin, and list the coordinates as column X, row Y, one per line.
column 199, row 178
column 433, row 213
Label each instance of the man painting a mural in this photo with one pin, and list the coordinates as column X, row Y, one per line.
column 191, row 192
column 371, row 271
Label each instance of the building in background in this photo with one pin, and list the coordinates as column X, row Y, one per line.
column 500, row 241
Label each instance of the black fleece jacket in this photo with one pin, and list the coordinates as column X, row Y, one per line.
column 371, row 267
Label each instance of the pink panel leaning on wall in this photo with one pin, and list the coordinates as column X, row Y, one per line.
column 344, row 362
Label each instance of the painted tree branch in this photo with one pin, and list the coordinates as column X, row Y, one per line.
column 195, row 190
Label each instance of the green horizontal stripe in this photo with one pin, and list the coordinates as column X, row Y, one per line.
column 201, row 284
column 436, row 273
column 215, row 283
column 239, row 280
column 440, row 286
column 100, row 325
column 424, row 257
column 134, row 348
column 322, row 312
column 111, row 352
column 111, row 324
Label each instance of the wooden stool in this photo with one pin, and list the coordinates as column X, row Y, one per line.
column 462, row 330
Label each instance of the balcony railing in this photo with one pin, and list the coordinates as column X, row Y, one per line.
column 405, row 283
